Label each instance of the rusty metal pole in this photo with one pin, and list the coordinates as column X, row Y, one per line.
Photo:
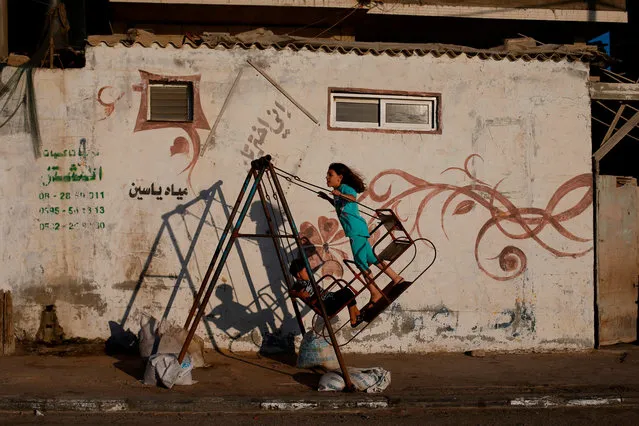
column 54, row 26
column 278, row 250
column 4, row 29
column 331, row 333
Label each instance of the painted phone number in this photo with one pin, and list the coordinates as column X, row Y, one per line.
column 72, row 210
column 63, row 195
column 57, row 226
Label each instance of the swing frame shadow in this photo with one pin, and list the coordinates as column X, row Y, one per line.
column 209, row 197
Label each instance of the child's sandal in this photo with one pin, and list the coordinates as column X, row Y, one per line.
column 358, row 321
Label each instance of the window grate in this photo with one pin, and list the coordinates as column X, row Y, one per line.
column 171, row 102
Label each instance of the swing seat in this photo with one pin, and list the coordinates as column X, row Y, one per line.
column 400, row 241
column 393, row 250
column 392, row 292
column 339, row 283
column 395, row 241
column 388, row 219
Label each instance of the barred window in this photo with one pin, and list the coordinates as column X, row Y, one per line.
column 170, row 101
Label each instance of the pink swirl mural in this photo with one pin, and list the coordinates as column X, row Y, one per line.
column 528, row 222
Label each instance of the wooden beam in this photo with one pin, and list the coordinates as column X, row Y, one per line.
column 516, row 10
column 614, row 91
column 613, row 125
column 614, row 139
column 4, row 29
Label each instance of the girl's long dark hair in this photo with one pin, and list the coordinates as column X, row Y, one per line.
column 349, row 177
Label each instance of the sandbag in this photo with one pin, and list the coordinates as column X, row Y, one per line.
column 165, row 369
column 315, row 351
column 370, row 380
column 172, row 339
column 331, row 381
column 168, row 339
column 147, row 335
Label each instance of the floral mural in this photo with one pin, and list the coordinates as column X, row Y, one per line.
column 326, row 246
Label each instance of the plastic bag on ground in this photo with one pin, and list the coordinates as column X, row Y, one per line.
column 147, row 335
column 121, row 340
column 370, row 380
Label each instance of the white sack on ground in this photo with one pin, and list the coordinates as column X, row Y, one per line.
column 370, row 380
column 165, row 369
column 167, row 339
column 147, row 335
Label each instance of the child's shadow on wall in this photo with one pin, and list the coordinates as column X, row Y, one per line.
column 230, row 315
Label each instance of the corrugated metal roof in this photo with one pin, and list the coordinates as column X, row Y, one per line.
column 263, row 39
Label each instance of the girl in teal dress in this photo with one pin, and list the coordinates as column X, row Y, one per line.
column 346, row 185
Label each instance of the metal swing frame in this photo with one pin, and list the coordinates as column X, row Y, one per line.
column 260, row 169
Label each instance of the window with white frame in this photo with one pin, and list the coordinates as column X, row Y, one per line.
column 170, row 101
column 383, row 111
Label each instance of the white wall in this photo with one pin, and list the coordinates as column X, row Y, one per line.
column 529, row 122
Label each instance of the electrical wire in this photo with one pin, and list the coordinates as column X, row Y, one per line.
column 299, row 182
column 354, row 9
column 306, row 26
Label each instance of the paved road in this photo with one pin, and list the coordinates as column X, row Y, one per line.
column 555, row 416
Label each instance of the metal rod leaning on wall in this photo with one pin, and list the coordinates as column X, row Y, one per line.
column 298, row 240
column 225, row 254
column 218, row 250
column 278, row 249
column 284, row 92
column 211, row 136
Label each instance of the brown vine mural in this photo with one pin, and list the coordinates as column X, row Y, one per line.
column 109, row 107
column 530, row 221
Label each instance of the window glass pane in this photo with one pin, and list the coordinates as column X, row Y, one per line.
column 408, row 113
column 171, row 102
column 357, row 112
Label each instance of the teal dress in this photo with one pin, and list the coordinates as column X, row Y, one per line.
column 355, row 228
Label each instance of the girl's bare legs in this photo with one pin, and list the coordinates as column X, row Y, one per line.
column 376, row 294
column 382, row 265
column 353, row 312
column 372, row 287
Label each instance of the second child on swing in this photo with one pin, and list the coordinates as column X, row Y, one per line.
column 346, row 184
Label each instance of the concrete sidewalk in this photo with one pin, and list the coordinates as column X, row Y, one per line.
column 252, row 382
